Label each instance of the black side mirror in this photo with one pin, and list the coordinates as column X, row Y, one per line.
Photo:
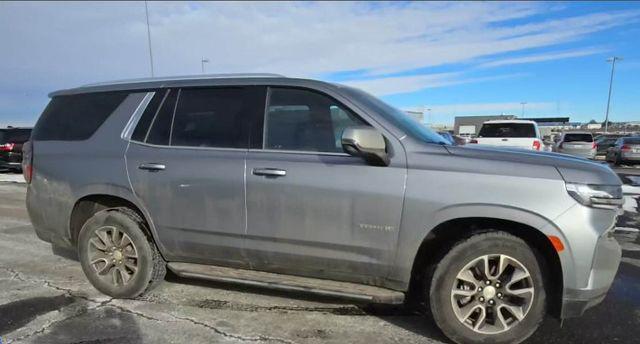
column 367, row 143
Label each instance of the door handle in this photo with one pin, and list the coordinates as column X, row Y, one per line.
column 269, row 172
column 152, row 167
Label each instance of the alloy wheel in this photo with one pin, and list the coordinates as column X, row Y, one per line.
column 113, row 255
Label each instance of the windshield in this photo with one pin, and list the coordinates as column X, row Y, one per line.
column 632, row 140
column 507, row 130
column 399, row 118
column 578, row 138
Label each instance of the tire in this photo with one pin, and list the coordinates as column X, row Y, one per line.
column 520, row 259
column 130, row 277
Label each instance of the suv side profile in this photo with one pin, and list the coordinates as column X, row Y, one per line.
column 311, row 186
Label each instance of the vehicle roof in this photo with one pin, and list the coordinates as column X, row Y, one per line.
column 190, row 81
column 510, row 121
column 12, row 128
column 577, row 132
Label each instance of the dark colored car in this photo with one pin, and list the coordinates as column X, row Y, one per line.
column 604, row 142
column 11, row 141
column 625, row 150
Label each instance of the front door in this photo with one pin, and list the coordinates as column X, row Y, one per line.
column 188, row 171
column 312, row 209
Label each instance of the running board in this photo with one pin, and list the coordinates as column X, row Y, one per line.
column 270, row 280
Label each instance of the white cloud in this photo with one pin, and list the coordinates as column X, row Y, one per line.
column 543, row 57
column 46, row 46
column 406, row 84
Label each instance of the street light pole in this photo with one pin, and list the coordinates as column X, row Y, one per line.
column 613, row 68
column 146, row 11
column 523, row 104
column 202, row 62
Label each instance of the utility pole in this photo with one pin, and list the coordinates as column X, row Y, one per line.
column 613, row 68
column 523, row 104
column 202, row 62
column 146, row 11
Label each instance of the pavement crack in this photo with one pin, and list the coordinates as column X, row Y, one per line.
column 259, row 338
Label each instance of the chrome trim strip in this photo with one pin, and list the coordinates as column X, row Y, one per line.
column 135, row 117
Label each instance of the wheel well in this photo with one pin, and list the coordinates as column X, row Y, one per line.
column 89, row 205
column 442, row 238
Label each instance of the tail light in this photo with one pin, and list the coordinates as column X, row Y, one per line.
column 27, row 161
column 536, row 145
column 625, row 148
column 595, row 146
column 7, row 147
column 473, row 141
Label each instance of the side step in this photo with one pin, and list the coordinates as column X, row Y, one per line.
column 288, row 282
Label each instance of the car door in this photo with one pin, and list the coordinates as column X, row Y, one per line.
column 312, row 209
column 188, row 171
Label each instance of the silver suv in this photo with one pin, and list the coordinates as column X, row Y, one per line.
column 306, row 185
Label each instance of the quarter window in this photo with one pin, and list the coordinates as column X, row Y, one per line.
column 303, row 120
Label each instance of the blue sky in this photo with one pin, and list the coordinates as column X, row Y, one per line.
column 471, row 58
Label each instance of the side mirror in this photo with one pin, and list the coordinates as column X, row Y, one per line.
column 367, row 143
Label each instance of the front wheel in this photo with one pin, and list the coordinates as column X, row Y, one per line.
column 488, row 289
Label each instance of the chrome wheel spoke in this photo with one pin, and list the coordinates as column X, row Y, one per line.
column 492, row 293
column 113, row 255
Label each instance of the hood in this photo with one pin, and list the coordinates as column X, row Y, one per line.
column 572, row 169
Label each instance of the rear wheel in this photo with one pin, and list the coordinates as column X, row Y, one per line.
column 116, row 256
column 488, row 289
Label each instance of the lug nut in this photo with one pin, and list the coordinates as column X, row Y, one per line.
column 497, row 284
column 487, row 282
column 481, row 299
column 499, row 295
column 113, row 261
column 479, row 288
column 491, row 302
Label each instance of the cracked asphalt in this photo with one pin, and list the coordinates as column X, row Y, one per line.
column 46, row 299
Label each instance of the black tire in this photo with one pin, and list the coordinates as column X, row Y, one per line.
column 464, row 252
column 151, row 267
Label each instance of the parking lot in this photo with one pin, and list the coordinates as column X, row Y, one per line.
column 46, row 299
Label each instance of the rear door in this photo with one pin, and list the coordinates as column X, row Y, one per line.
column 188, row 170
column 313, row 209
column 509, row 134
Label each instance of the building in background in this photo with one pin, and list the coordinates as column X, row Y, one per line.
column 470, row 125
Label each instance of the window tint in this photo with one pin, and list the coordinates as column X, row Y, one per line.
column 145, row 120
column 507, row 130
column 578, row 138
column 14, row 135
column 161, row 124
column 215, row 117
column 76, row 117
column 306, row 121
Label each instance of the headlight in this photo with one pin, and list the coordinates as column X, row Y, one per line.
column 599, row 196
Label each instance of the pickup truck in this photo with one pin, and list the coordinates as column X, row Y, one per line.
column 510, row 134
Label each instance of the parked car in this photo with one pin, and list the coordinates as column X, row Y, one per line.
column 625, row 150
column 576, row 143
column 11, row 141
column 606, row 141
column 309, row 186
column 510, row 134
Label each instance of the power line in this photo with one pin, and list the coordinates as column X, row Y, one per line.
column 613, row 68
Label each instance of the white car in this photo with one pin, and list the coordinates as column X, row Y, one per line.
column 511, row 134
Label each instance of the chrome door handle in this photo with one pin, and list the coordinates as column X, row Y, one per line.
column 153, row 167
column 269, row 172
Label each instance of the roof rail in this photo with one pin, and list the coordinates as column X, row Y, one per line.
column 187, row 77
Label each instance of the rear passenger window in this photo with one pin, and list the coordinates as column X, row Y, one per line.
column 160, row 130
column 76, row 117
column 214, row 117
column 306, row 121
column 144, row 122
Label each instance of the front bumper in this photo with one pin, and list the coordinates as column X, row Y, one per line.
column 603, row 271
